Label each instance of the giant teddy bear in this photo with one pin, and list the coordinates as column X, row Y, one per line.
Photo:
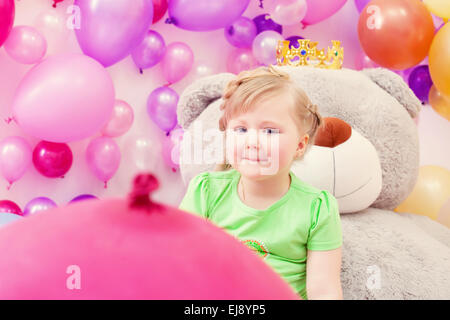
column 386, row 255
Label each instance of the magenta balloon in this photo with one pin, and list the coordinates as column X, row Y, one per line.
column 319, row 10
column 162, row 108
column 204, row 15
column 121, row 120
column 26, row 45
column 265, row 46
column 240, row 60
column 103, row 158
column 15, row 158
column 150, row 51
column 7, row 206
column 177, row 61
column 360, row 4
column 65, row 98
column 38, row 204
column 241, row 33
column 6, row 19
column 52, row 160
column 109, row 30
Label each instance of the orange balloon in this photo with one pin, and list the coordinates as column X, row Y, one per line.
column 439, row 60
column 396, row 34
column 439, row 102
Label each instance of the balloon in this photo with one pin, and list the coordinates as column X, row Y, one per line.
column 65, row 98
column 6, row 19
column 204, row 15
column 319, row 10
column 7, row 206
column 150, row 51
column 55, row 2
column 444, row 214
column 439, row 60
column 240, row 60
column 83, row 197
column 439, row 103
column 131, row 248
column 241, row 33
column 143, row 154
column 121, row 120
column 420, row 82
column 177, row 61
column 52, row 160
column 265, row 46
column 51, row 24
column 103, row 158
column 171, row 148
column 293, row 41
column 396, row 34
column 109, row 30
column 25, row 45
column 162, row 108
column 159, row 9
column 360, row 4
column 264, row 23
column 15, row 158
column 38, row 204
column 431, row 191
column 286, row 12
column 7, row 218
column 202, row 69
column 440, row 8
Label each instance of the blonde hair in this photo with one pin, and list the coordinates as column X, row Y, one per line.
column 250, row 87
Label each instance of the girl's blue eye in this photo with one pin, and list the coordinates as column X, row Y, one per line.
column 271, row 130
column 240, row 129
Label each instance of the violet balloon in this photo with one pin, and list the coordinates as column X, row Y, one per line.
column 265, row 46
column 38, row 204
column 121, row 120
column 109, row 30
column 319, row 10
column 360, row 4
column 7, row 11
column 177, row 61
column 52, row 160
column 205, row 15
column 240, row 60
column 293, row 41
column 49, row 104
column 150, row 51
column 103, row 158
column 15, row 158
column 26, row 45
column 420, row 82
column 264, row 23
column 241, row 33
column 162, row 108
column 7, row 206
column 83, row 197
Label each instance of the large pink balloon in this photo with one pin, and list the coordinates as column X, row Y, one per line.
column 130, row 249
column 319, row 10
column 15, row 158
column 26, row 45
column 109, row 30
column 177, row 61
column 6, row 18
column 103, row 158
column 65, row 98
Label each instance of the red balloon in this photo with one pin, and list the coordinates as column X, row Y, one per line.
column 159, row 9
column 7, row 206
column 396, row 34
column 52, row 159
column 6, row 19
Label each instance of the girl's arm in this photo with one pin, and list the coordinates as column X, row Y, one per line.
column 323, row 275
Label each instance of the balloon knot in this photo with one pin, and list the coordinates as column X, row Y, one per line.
column 9, row 119
column 141, row 71
column 8, row 187
column 261, row 5
column 170, row 21
column 143, row 185
column 106, row 185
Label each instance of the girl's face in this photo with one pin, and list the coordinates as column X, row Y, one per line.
column 266, row 139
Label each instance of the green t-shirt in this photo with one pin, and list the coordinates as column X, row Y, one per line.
column 304, row 218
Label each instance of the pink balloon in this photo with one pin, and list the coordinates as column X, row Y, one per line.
column 177, row 61
column 121, row 120
column 15, row 158
column 52, row 160
column 240, row 60
column 65, row 98
column 171, row 149
column 26, row 45
column 10, row 207
column 286, row 12
column 103, row 158
column 162, row 108
column 319, row 10
column 7, row 12
column 265, row 47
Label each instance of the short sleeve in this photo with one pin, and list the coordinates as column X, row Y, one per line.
column 325, row 232
column 196, row 198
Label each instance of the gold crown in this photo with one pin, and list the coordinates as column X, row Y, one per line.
column 309, row 55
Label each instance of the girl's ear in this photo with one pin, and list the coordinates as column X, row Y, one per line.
column 301, row 147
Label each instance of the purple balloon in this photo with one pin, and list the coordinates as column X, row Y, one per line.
column 420, row 82
column 83, row 197
column 38, row 204
column 360, row 4
column 264, row 23
column 109, row 30
column 241, row 33
column 293, row 41
column 177, row 61
column 150, row 51
column 162, row 108
column 205, row 15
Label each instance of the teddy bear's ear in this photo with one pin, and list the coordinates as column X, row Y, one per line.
column 199, row 95
column 395, row 86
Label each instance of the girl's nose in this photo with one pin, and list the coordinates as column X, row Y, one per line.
column 252, row 140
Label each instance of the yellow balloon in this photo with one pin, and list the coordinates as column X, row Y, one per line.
column 439, row 103
column 439, row 59
column 440, row 8
column 444, row 214
column 431, row 191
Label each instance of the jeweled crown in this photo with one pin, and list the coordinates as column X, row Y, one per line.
column 308, row 54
